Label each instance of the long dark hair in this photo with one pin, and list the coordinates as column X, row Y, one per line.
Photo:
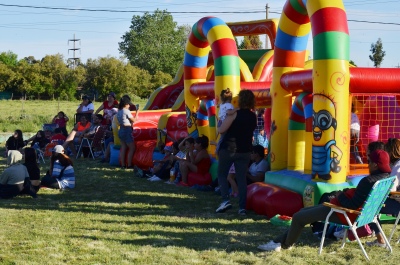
column 19, row 133
column 30, row 157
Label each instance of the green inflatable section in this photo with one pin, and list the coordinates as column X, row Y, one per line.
column 251, row 57
column 302, row 184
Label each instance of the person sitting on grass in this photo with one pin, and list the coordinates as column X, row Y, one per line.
column 61, row 174
column 197, row 160
column 379, row 168
column 39, row 140
column 162, row 167
column 12, row 179
column 32, row 167
column 15, row 142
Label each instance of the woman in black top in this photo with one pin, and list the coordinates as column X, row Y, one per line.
column 39, row 141
column 236, row 148
column 15, row 142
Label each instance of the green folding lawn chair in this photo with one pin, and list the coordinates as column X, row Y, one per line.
column 368, row 214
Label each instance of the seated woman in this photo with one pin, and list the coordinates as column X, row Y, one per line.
column 197, row 159
column 257, row 169
column 15, row 142
column 39, row 140
column 12, row 179
column 107, row 107
column 61, row 120
column 75, row 134
column 32, row 167
column 61, row 174
column 162, row 167
column 86, row 106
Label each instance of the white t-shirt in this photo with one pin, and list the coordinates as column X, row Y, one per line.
column 123, row 116
column 396, row 172
column 355, row 122
column 90, row 106
column 223, row 108
column 256, row 168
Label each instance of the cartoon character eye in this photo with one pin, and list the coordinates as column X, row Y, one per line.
column 323, row 119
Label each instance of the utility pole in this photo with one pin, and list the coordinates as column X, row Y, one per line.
column 266, row 35
column 74, row 49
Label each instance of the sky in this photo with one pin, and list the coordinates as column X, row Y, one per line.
column 36, row 31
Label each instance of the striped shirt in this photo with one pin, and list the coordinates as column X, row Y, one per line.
column 67, row 179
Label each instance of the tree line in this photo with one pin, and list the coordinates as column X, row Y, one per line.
column 152, row 48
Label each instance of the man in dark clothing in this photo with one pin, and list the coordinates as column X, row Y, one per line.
column 379, row 168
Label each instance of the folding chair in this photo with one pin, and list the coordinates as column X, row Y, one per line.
column 96, row 143
column 369, row 213
column 396, row 193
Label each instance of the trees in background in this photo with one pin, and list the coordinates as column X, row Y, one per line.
column 155, row 42
column 377, row 53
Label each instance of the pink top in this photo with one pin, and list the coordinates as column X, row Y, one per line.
column 60, row 122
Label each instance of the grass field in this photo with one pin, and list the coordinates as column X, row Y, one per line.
column 30, row 115
column 112, row 217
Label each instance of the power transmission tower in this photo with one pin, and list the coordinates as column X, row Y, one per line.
column 266, row 35
column 74, row 50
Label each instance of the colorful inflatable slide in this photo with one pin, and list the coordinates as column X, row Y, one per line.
column 307, row 103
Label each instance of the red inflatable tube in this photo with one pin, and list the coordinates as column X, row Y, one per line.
column 362, row 80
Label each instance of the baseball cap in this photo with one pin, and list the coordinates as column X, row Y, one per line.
column 381, row 159
column 168, row 148
column 58, row 149
column 112, row 94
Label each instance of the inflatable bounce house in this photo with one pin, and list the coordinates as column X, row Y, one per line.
column 308, row 103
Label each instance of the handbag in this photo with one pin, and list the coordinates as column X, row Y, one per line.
column 362, row 231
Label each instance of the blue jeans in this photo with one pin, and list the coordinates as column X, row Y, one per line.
column 241, row 162
column 392, row 207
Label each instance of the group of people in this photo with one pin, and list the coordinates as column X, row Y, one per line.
column 24, row 178
column 240, row 162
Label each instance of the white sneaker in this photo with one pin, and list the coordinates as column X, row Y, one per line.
column 270, row 246
column 155, row 178
column 151, row 178
column 339, row 234
column 375, row 243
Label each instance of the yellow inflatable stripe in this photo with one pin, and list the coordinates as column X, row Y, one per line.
column 314, row 6
column 292, row 28
column 219, row 32
column 196, row 51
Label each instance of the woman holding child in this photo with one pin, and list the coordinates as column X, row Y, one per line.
column 236, row 148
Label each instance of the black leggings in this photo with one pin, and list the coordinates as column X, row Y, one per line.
column 50, row 182
column 8, row 191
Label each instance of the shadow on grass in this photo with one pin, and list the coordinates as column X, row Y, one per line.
column 157, row 214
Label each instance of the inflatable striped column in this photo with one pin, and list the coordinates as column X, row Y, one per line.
column 330, row 83
column 209, row 31
column 289, row 55
column 331, row 78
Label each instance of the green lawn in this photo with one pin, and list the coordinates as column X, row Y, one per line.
column 112, row 217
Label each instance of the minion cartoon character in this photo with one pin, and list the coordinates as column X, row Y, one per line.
column 326, row 155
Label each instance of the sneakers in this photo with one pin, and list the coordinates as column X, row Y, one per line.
column 339, row 234
column 270, row 246
column 154, row 178
column 226, row 205
column 242, row 212
column 375, row 243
